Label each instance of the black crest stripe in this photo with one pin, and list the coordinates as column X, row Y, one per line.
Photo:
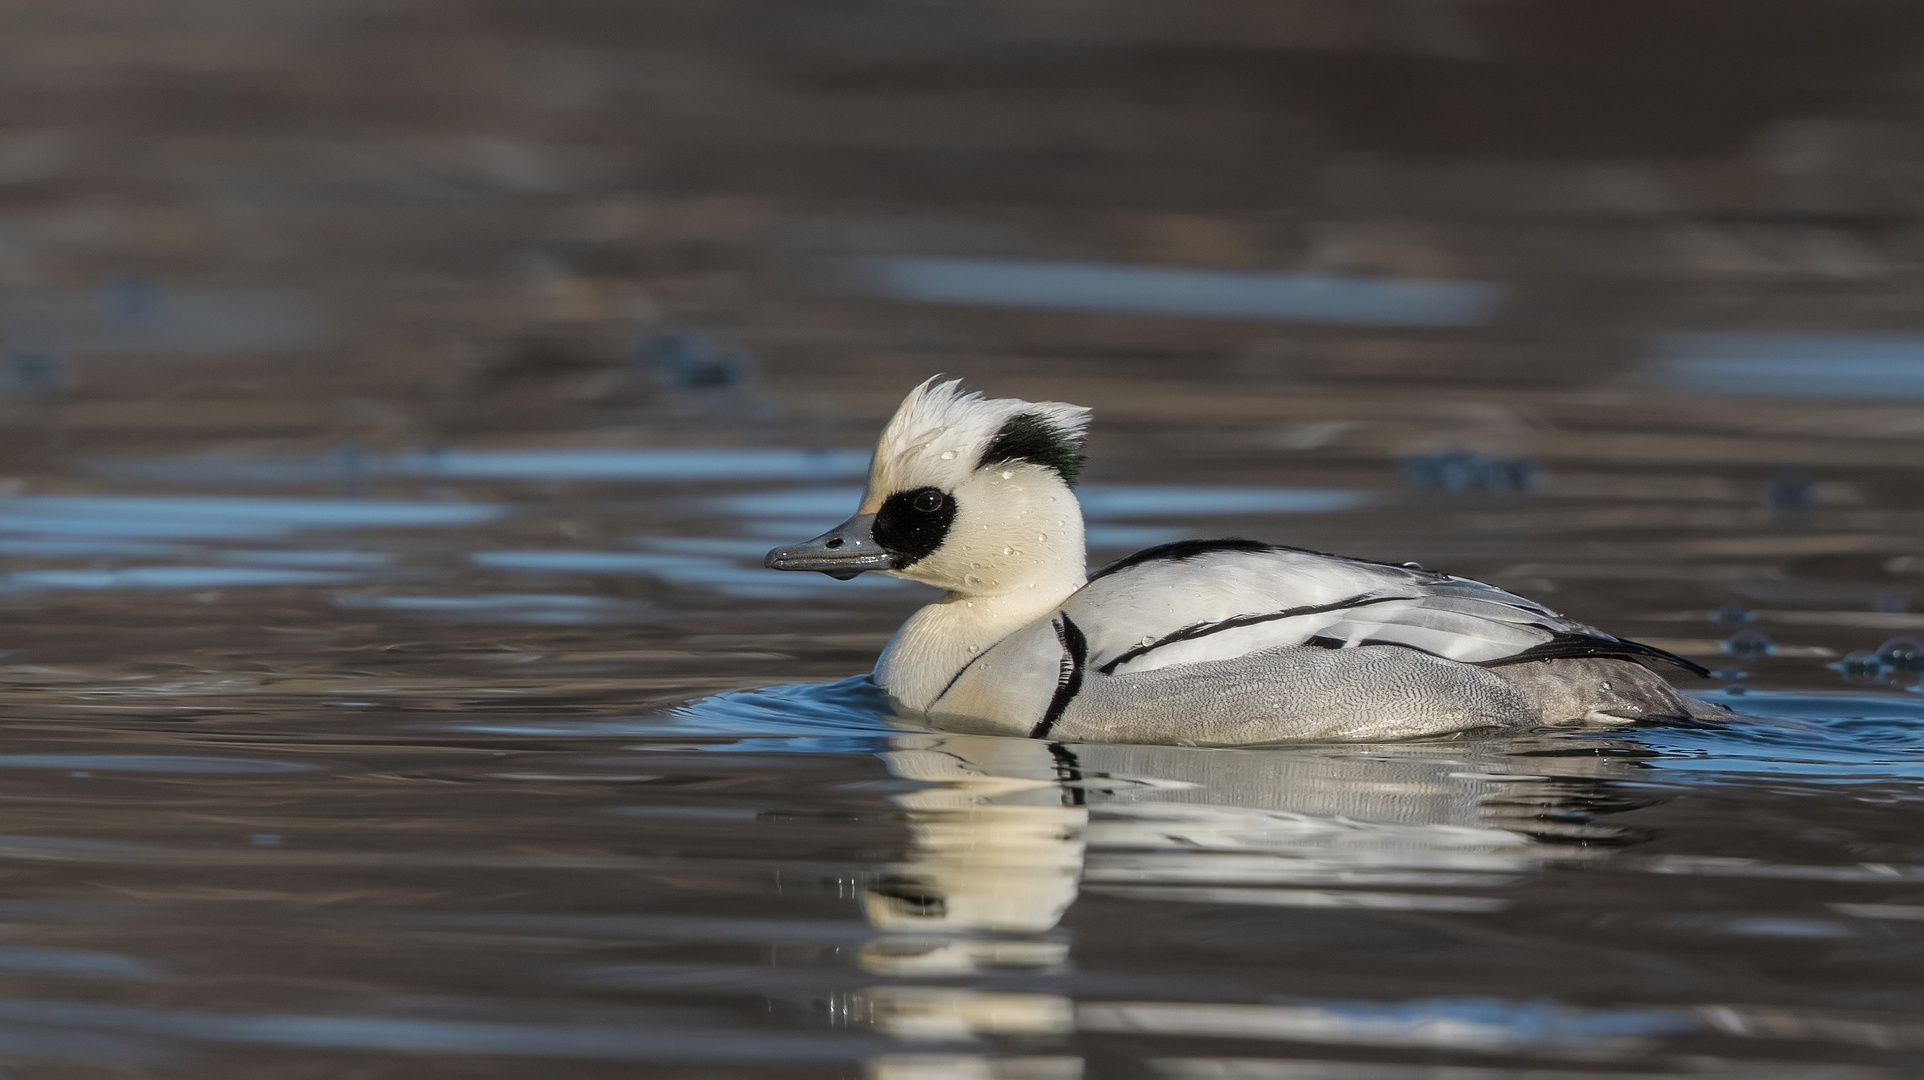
column 1028, row 437
column 1197, row 630
column 1075, row 653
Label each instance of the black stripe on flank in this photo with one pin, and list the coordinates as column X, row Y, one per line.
column 1069, row 771
column 1075, row 653
column 1575, row 646
column 955, row 678
column 1190, row 633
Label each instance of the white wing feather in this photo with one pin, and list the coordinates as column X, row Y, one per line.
column 1217, row 605
column 1223, row 604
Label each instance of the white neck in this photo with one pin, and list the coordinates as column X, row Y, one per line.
column 1003, row 570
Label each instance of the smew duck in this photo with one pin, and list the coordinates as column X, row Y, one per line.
column 1200, row 642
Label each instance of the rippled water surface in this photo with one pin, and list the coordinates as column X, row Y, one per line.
column 396, row 401
column 529, row 766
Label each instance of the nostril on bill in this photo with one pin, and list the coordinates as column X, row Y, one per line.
column 833, row 544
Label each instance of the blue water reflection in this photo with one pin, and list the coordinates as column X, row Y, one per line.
column 1129, row 537
column 345, row 560
column 67, row 547
column 647, row 464
column 538, row 608
column 130, row 526
column 150, row 763
column 719, row 572
column 169, row 577
column 1103, row 501
column 1808, row 736
column 139, row 317
column 641, row 1034
column 76, row 964
column 849, row 716
column 214, row 517
column 1845, row 366
column 1168, row 290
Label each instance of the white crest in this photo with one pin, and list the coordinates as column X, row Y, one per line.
column 939, row 433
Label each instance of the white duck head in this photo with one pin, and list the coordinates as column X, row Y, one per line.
column 971, row 495
column 966, row 493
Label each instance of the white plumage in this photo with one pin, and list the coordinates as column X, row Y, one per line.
column 1229, row 641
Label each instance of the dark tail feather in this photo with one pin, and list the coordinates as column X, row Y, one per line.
column 1568, row 646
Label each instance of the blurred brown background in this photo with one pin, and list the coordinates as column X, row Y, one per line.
column 406, row 221
column 1664, row 256
column 397, row 398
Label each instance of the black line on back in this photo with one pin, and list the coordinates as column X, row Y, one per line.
column 1190, row 633
column 1560, row 646
column 1190, row 549
column 1075, row 652
column 1183, row 549
column 1565, row 646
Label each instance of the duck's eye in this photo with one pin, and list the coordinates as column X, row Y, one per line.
column 910, row 525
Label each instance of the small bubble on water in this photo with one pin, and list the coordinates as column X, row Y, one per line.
column 1858, row 663
column 1901, row 654
column 1733, row 615
column 1747, row 644
column 688, row 361
column 1008, row 550
column 948, row 455
column 31, row 373
column 1789, row 492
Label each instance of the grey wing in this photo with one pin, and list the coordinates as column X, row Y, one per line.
column 1222, row 604
column 1210, row 608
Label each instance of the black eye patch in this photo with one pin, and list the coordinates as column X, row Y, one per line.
column 912, row 524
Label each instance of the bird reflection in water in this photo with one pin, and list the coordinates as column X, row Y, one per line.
column 1010, row 831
